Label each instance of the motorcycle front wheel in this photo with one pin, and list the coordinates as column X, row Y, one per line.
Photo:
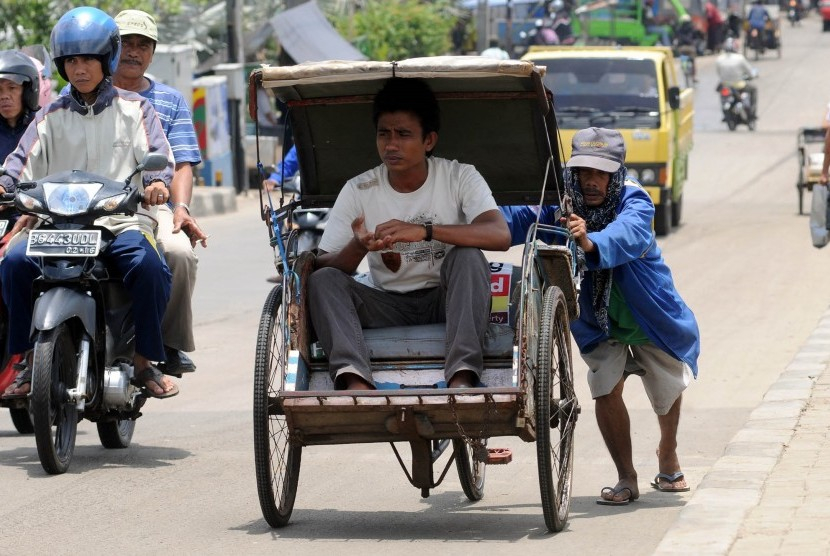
column 54, row 416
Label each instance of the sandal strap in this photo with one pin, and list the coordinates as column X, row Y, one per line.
column 23, row 377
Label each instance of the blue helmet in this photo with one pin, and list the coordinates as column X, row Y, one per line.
column 86, row 31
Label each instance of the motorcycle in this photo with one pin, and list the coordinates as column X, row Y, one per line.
column 794, row 12
column 737, row 108
column 308, row 224
column 18, row 409
column 82, row 321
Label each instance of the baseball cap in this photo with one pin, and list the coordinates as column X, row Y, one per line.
column 136, row 22
column 598, row 148
column 16, row 77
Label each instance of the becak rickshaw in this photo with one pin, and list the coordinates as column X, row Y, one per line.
column 498, row 116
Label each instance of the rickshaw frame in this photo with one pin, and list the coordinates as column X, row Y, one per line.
column 501, row 120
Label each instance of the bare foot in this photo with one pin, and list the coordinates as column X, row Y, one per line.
column 463, row 379
column 669, row 464
column 352, row 381
column 625, row 491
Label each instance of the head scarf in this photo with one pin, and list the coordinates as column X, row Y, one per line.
column 596, row 219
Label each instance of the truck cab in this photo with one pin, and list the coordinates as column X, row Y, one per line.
column 636, row 91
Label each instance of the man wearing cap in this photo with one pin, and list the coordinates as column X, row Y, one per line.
column 631, row 318
column 139, row 36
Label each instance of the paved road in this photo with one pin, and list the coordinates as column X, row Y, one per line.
column 743, row 261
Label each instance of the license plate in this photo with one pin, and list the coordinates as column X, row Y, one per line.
column 63, row 243
column 4, row 224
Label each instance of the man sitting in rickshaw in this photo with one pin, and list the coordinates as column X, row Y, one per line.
column 422, row 221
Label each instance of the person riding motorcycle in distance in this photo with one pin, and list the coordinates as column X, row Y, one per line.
column 686, row 41
column 104, row 130
column 734, row 70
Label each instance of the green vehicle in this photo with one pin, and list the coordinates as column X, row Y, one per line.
column 620, row 22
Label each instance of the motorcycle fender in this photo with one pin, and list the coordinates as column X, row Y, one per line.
column 59, row 305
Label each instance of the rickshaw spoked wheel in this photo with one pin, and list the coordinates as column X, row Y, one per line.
column 556, row 409
column 277, row 459
column 470, row 470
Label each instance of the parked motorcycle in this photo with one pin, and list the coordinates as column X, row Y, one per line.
column 82, row 321
column 18, row 409
column 308, row 223
column 737, row 108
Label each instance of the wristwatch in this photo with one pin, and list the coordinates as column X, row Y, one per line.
column 428, row 227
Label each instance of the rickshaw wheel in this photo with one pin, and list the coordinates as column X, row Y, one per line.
column 556, row 411
column 470, row 471
column 277, row 459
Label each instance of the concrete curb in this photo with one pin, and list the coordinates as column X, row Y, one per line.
column 712, row 519
column 207, row 201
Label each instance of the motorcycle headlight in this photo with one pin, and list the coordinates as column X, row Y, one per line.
column 67, row 199
column 110, row 203
column 29, row 202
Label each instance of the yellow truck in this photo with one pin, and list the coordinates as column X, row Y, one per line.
column 636, row 91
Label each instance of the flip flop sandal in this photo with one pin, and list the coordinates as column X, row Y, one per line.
column 152, row 374
column 24, row 376
column 613, row 492
column 671, row 479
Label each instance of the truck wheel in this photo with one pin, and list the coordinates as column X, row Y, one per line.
column 662, row 219
column 676, row 212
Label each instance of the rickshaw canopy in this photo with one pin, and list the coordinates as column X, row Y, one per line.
column 495, row 114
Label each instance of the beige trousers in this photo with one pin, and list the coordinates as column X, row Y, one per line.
column 177, row 326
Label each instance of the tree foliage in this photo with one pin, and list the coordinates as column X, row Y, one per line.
column 27, row 22
column 385, row 30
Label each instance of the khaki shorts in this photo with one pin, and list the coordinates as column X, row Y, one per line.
column 664, row 377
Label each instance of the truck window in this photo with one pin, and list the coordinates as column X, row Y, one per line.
column 616, row 93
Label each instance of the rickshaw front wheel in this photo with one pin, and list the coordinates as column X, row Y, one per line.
column 277, row 459
column 470, row 470
column 556, row 410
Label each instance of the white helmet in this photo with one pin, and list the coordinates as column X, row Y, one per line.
column 730, row 45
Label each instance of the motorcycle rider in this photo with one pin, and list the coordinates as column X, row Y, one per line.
column 19, row 98
column 177, row 231
column 685, row 38
column 734, row 70
column 101, row 129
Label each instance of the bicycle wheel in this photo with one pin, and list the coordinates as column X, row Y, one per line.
column 470, row 471
column 556, row 411
column 54, row 417
column 277, row 458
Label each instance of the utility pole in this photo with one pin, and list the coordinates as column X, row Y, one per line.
column 236, row 93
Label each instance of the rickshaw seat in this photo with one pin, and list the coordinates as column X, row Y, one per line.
column 428, row 341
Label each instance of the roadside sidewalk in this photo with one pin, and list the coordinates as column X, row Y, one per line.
column 769, row 493
column 207, row 200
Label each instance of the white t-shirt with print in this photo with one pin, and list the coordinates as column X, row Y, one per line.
column 454, row 193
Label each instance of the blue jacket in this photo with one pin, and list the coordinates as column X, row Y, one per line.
column 10, row 136
column 629, row 247
column 287, row 167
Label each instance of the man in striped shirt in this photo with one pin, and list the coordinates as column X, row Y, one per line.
column 139, row 35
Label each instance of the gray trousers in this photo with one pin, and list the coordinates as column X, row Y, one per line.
column 341, row 307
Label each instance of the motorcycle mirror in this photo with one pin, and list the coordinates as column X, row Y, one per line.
column 153, row 162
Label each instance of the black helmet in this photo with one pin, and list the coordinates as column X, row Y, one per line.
column 86, row 31
column 18, row 67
